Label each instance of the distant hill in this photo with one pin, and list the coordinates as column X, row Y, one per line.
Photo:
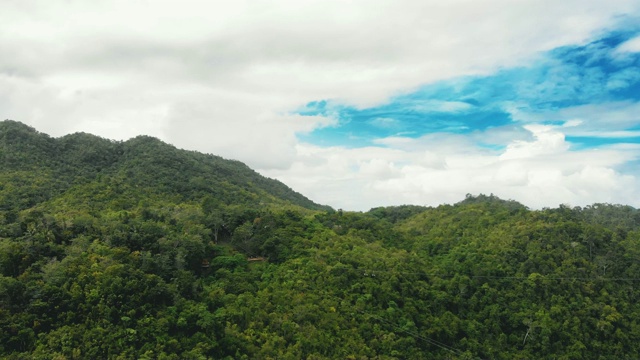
column 37, row 168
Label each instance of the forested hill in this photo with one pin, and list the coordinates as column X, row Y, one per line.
column 109, row 251
column 37, row 168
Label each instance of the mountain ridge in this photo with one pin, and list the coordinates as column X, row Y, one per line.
column 148, row 160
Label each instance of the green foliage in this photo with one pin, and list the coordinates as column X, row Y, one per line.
column 137, row 250
column 38, row 168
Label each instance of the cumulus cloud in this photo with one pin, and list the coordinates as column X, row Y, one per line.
column 548, row 141
column 542, row 171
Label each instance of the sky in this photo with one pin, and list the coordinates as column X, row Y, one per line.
column 355, row 104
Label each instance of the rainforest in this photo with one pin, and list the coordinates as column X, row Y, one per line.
column 139, row 250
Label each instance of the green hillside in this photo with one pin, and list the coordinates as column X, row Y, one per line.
column 38, row 168
column 138, row 250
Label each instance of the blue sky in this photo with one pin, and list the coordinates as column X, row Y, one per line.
column 566, row 77
column 355, row 104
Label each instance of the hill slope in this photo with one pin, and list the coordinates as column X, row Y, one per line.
column 37, row 168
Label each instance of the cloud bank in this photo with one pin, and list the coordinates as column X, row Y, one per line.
column 539, row 171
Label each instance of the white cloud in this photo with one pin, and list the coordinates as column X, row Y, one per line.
column 572, row 123
column 630, row 46
column 538, row 172
column 359, row 51
column 547, row 142
column 379, row 169
column 236, row 127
